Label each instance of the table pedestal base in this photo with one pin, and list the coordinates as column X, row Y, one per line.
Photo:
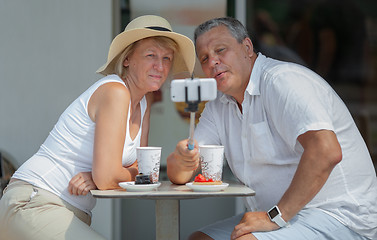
column 167, row 219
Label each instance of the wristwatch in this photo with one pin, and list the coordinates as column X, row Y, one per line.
column 275, row 216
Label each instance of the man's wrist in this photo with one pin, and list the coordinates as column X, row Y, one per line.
column 275, row 216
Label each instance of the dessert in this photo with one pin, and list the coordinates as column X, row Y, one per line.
column 143, row 179
column 201, row 180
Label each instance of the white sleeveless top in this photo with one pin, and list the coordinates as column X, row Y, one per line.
column 68, row 150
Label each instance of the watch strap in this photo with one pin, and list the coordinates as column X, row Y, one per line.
column 278, row 218
column 279, row 221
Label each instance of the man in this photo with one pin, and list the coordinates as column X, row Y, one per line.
column 288, row 136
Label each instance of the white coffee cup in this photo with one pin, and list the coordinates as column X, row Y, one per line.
column 211, row 161
column 148, row 159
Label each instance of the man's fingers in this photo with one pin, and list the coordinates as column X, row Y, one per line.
column 235, row 232
column 239, row 230
column 191, row 165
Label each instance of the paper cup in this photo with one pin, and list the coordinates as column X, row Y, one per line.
column 148, row 159
column 211, row 161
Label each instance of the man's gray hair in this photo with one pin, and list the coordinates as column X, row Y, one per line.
column 235, row 27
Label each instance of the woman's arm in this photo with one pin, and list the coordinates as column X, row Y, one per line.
column 108, row 108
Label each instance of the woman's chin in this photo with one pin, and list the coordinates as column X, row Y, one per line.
column 154, row 88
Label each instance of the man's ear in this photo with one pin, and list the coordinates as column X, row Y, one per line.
column 249, row 46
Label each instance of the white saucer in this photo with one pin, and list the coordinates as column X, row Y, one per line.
column 207, row 188
column 132, row 187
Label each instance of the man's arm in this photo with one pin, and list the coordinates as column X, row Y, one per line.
column 321, row 154
column 182, row 164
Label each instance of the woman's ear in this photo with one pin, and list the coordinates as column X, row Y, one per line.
column 126, row 62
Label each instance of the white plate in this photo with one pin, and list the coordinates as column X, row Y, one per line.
column 207, row 188
column 132, row 187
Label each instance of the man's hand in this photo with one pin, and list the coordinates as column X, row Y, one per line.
column 253, row 222
column 187, row 160
column 81, row 184
column 183, row 163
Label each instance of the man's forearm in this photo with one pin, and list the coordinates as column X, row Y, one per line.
column 321, row 154
column 305, row 185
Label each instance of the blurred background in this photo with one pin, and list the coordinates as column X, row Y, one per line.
column 50, row 50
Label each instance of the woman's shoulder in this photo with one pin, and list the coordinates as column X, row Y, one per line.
column 110, row 79
column 112, row 89
column 112, row 82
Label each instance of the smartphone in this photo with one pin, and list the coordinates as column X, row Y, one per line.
column 193, row 90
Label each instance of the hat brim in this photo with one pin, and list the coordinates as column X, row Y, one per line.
column 184, row 58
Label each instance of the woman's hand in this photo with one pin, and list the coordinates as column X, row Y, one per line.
column 81, row 184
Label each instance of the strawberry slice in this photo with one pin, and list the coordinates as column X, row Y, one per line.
column 200, row 178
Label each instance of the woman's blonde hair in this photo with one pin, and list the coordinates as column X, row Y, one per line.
column 161, row 41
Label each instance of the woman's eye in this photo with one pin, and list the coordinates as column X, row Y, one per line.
column 203, row 60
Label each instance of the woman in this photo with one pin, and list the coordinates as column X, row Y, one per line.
column 94, row 141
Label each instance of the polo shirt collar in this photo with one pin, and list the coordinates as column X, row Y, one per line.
column 255, row 77
column 225, row 98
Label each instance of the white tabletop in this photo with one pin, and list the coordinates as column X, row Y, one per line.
column 167, row 190
column 167, row 197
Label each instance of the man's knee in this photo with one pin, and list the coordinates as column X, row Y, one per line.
column 199, row 236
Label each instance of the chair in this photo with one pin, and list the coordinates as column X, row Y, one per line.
column 6, row 171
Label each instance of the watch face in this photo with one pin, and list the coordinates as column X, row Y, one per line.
column 273, row 213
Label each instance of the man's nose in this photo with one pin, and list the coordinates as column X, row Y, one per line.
column 214, row 60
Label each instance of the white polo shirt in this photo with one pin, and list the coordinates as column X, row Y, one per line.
column 281, row 102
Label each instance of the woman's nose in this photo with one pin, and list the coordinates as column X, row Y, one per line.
column 159, row 65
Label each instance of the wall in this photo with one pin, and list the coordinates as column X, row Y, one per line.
column 49, row 52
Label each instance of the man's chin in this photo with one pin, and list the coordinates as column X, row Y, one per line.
column 223, row 90
column 221, row 86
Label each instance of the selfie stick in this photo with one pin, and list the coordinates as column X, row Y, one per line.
column 191, row 136
column 192, row 108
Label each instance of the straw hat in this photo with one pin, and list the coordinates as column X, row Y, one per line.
column 151, row 26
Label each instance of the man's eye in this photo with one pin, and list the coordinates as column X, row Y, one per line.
column 203, row 60
column 220, row 50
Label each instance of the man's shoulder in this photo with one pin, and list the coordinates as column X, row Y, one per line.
column 284, row 74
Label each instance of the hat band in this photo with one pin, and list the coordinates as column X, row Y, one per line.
column 159, row 28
